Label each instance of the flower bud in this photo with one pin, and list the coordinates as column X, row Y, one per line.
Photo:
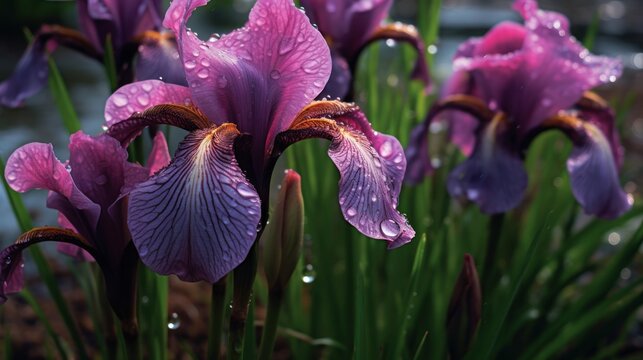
column 465, row 309
column 284, row 233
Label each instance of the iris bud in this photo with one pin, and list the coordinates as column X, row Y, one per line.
column 465, row 309
column 284, row 233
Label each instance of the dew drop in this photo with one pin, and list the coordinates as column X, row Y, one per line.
column 104, row 127
column 245, row 191
column 146, row 86
column 195, row 52
column 12, row 176
column 373, row 198
column 190, row 64
column 390, row 43
column 390, row 228
column 202, row 74
column 351, row 212
column 285, row 46
column 143, row 99
column 119, row 100
column 174, row 322
column 205, row 62
column 143, row 250
column 275, row 74
column 386, row 149
column 310, row 66
column 222, row 81
column 8, row 260
column 260, row 21
column 309, row 274
column 225, row 221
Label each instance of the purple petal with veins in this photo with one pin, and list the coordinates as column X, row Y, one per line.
column 196, row 218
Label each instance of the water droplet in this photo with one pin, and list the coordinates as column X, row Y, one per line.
column 143, row 99
column 310, row 66
column 351, row 212
column 202, row 74
column 190, row 64
column 472, row 194
column 104, row 127
column 390, row 43
column 386, row 149
column 245, row 191
column 101, row 179
column 225, row 221
column 119, row 100
column 8, row 260
column 260, row 21
column 275, row 74
column 174, row 322
column 143, row 250
column 146, row 86
column 12, row 176
column 390, row 228
column 285, row 46
column 195, row 52
column 309, row 274
column 373, row 198
column 614, row 238
column 398, row 159
column 205, row 62
column 432, row 49
column 222, row 81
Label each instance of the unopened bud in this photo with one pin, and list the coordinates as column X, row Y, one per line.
column 284, row 234
column 465, row 309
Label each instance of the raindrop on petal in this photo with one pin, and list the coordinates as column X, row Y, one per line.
column 174, row 322
column 390, row 228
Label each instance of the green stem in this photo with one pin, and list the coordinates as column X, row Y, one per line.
column 495, row 230
column 132, row 340
column 244, row 276
column 275, row 298
column 217, row 308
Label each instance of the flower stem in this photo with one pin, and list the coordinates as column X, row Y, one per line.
column 495, row 231
column 244, row 276
column 270, row 327
column 216, row 318
column 132, row 340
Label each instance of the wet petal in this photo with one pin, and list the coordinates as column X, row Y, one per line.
column 462, row 126
column 184, row 117
column 408, row 34
column 593, row 169
column 97, row 167
column 493, row 177
column 259, row 76
column 158, row 58
column 11, row 265
column 371, row 166
column 140, row 96
column 196, row 218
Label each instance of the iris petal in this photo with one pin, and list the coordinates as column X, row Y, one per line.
column 371, row 166
column 158, row 57
column 142, row 95
column 196, row 218
column 259, row 76
column 493, row 177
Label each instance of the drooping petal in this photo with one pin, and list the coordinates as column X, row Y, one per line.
column 158, row 58
column 371, row 166
column 184, row 117
column 30, row 75
column 196, row 218
column 140, row 96
column 34, row 166
column 494, row 176
column 259, row 76
column 11, row 265
column 593, row 168
column 407, row 34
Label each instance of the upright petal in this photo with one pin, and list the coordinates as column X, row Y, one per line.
column 592, row 168
column 97, row 167
column 340, row 79
column 29, row 77
column 159, row 156
column 196, row 218
column 158, row 58
column 494, row 176
column 140, row 96
column 259, row 76
column 371, row 166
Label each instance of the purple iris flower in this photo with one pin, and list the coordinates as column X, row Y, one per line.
column 513, row 84
column 129, row 24
column 351, row 25
column 89, row 192
column 249, row 96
